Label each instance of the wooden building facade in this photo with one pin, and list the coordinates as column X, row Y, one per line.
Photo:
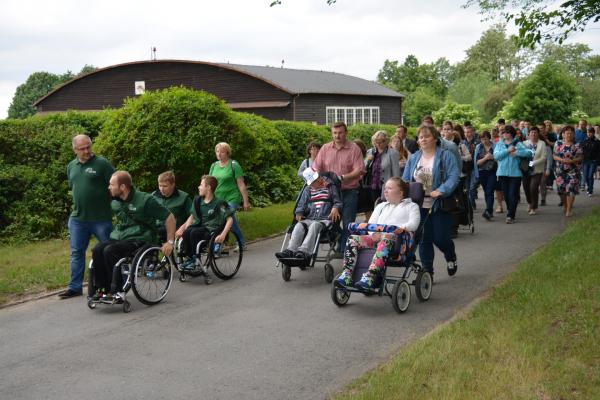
column 275, row 93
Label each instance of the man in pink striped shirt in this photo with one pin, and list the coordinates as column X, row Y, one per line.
column 344, row 158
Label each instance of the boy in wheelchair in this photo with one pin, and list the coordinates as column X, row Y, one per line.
column 398, row 210
column 208, row 215
column 319, row 206
column 136, row 213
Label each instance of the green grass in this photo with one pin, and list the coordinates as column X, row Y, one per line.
column 27, row 269
column 537, row 335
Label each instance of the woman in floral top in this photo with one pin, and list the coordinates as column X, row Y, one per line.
column 568, row 156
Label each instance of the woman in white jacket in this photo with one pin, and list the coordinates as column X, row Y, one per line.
column 531, row 181
column 397, row 210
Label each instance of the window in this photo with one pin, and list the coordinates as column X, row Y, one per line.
column 352, row 115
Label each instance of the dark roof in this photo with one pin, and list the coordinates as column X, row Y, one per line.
column 293, row 81
column 309, row 81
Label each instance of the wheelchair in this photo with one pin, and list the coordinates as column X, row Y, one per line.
column 401, row 270
column 147, row 271
column 328, row 236
column 224, row 258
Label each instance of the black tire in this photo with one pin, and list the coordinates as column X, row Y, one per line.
column 401, row 296
column 339, row 296
column 91, row 304
column 126, row 306
column 286, row 272
column 328, row 273
column 226, row 262
column 182, row 277
column 423, row 285
column 152, row 275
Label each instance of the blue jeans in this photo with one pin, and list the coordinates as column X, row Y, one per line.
column 436, row 230
column 589, row 167
column 510, row 189
column 488, row 183
column 236, row 227
column 349, row 209
column 80, row 234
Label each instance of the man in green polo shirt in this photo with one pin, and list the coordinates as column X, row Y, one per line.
column 88, row 176
column 175, row 200
column 136, row 213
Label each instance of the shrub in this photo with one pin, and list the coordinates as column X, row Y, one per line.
column 300, row 134
column 364, row 132
column 34, row 153
column 457, row 113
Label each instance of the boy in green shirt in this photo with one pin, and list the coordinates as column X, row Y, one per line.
column 208, row 215
column 175, row 200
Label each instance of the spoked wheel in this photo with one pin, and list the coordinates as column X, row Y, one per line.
column 423, row 285
column 224, row 261
column 286, row 272
column 126, row 306
column 328, row 273
column 152, row 275
column 339, row 296
column 401, row 296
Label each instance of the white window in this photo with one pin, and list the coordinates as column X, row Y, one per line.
column 352, row 115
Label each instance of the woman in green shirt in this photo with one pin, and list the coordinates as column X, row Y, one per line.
column 232, row 187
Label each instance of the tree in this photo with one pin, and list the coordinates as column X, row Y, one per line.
column 457, row 113
column 472, row 89
column 496, row 97
column 37, row 85
column 572, row 56
column 494, row 54
column 540, row 20
column 423, row 101
column 548, row 93
column 410, row 75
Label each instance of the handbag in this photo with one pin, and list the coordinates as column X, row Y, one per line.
column 451, row 203
column 524, row 166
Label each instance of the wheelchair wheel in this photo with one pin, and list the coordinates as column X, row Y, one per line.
column 401, row 296
column 152, row 275
column 91, row 304
column 339, row 296
column 328, row 273
column 225, row 262
column 286, row 272
column 423, row 285
column 91, row 289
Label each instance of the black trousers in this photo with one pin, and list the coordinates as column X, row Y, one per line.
column 192, row 236
column 105, row 256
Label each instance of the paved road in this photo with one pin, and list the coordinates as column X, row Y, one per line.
column 254, row 337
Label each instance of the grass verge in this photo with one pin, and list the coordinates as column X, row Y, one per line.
column 27, row 269
column 536, row 336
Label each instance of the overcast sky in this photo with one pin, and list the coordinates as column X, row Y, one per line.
column 353, row 37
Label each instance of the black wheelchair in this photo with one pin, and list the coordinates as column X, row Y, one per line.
column 147, row 271
column 401, row 267
column 224, row 258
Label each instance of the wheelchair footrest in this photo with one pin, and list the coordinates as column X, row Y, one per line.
column 295, row 262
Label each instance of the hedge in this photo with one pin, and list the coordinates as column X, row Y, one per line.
column 172, row 129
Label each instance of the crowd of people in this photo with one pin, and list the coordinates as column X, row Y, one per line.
column 450, row 161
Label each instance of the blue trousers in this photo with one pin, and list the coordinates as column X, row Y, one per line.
column 436, row 230
column 236, row 227
column 510, row 189
column 589, row 167
column 80, row 234
column 488, row 183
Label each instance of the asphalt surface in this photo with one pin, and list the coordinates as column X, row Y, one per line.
column 253, row 337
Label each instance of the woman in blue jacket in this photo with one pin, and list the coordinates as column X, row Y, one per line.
column 438, row 171
column 508, row 152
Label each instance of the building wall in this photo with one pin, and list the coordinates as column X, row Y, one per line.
column 311, row 107
column 110, row 87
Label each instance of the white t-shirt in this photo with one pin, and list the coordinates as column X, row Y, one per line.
column 405, row 214
column 424, row 175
